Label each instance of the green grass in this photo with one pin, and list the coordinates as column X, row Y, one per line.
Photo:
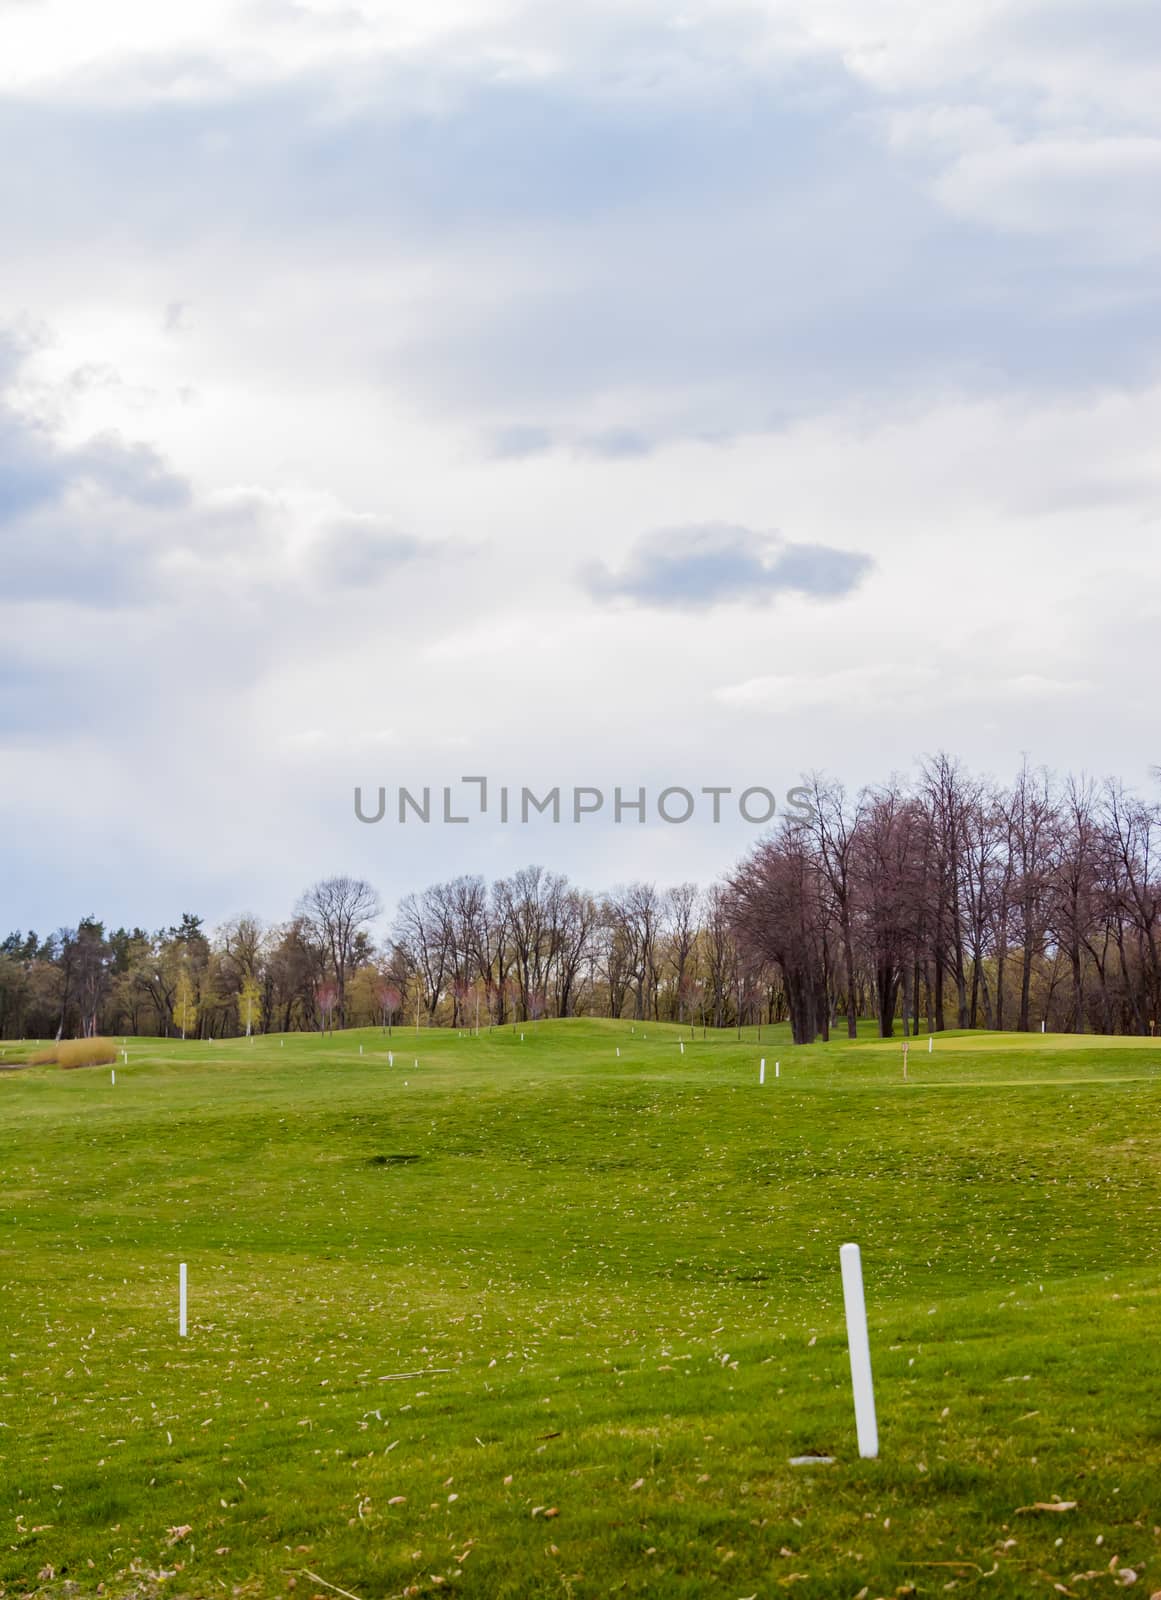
column 628, row 1269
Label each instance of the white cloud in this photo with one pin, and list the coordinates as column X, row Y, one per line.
column 1101, row 190
column 905, row 687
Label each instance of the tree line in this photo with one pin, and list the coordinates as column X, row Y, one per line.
column 941, row 901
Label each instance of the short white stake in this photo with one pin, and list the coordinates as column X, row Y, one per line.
column 1043, row 1027
column 860, row 1349
column 762, row 1070
column 618, row 1052
column 390, row 1058
column 417, row 1061
column 113, row 1074
column 521, row 1038
column 181, row 1300
column 360, row 1049
column 930, row 1043
column 125, row 1057
column 778, row 1069
column 681, row 1045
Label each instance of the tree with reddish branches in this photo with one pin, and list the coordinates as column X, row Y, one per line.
column 390, row 999
column 326, row 998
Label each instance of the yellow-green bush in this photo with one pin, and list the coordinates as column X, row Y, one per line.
column 77, row 1053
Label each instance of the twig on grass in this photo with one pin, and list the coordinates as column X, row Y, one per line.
column 333, row 1587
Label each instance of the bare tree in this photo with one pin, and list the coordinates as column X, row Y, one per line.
column 680, row 911
column 337, row 911
column 778, row 914
column 1033, row 822
column 835, row 826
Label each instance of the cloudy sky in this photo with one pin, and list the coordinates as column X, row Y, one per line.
column 610, row 394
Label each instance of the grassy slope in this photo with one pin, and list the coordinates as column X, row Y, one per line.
column 630, row 1268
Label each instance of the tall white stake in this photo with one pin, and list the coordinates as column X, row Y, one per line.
column 860, row 1348
column 762, row 1070
column 778, row 1069
column 181, row 1300
column 930, row 1043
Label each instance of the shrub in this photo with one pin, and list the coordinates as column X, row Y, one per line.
column 77, row 1053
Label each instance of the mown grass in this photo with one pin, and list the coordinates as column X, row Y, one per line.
column 619, row 1281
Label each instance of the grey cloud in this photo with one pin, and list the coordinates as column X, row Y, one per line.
column 109, row 524
column 693, row 568
column 518, row 441
column 831, row 274
column 128, row 470
column 37, row 690
column 614, row 444
column 36, row 470
column 90, row 523
column 364, row 551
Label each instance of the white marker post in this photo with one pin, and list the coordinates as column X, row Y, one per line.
column 360, row 1049
column 618, row 1052
column 113, row 1075
column 1043, row 1027
column 762, row 1070
column 125, row 1057
column 778, row 1069
column 181, row 1300
column 390, row 1058
column 681, row 1045
column 930, row 1043
column 855, row 1305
